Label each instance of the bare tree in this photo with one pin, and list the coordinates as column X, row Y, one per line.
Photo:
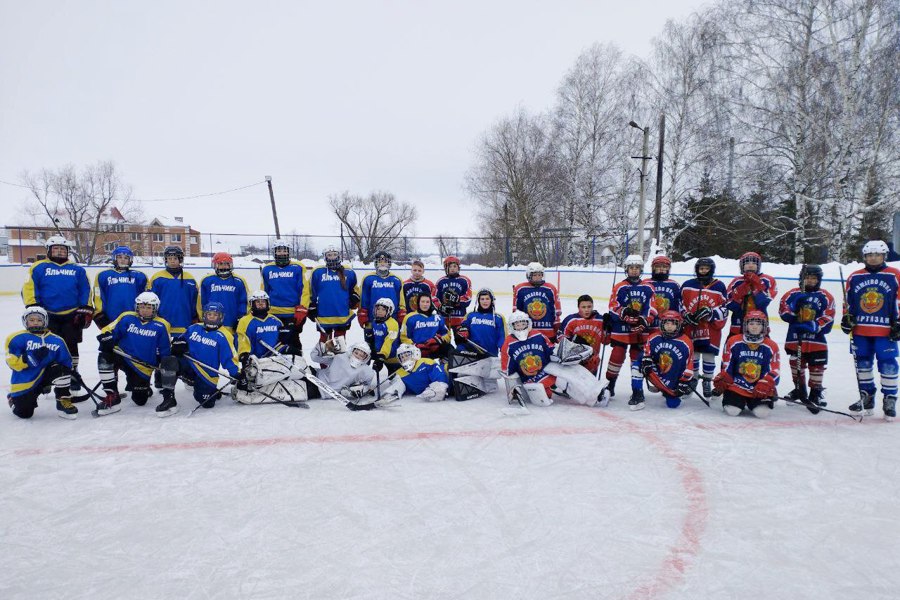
column 375, row 222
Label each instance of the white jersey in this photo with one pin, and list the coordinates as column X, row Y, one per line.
column 337, row 372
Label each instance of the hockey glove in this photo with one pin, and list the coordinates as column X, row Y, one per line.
column 300, row 313
column 722, row 382
column 647, row 365
column 810, row 327
column 362, row 316
column 286, row 334
column 244, row 358
column 354, row 301
column 84, row 316
column 101, row 319
column 753, row 281
column 369, row 336
column 354, row 391
column 607, row 322
column 313, row 312
column 377, row 363
column 764, row 388
column 179, row 346
column 107, row 343
column 690, row 318
column 895, row 332
column 848, row 322
column 462, row 332
column 37, row 356
column 704, row 314
column 686, row 387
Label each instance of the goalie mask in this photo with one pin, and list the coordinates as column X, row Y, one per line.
column 213, row 315
column 670, row 324
column 387, row 309
column 408, row 355
column 146, row 305
column 35, row 319
column 281, row 252
column 755, row 326
column 520, row 325
column 359, row 355
column 259, row 304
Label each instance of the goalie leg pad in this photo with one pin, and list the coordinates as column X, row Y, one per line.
column 577, row 381
column 168, row 372
column 468, row 387
column 537, row 394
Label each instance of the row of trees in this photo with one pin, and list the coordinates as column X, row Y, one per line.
column 782, row 121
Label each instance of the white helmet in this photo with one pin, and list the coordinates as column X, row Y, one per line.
column 875, row 247
column 386, row 303
column 532, row 268
column 258, row 295
column 356, row 362
column 408, row 355
column 335, row 261
column 634, row 260
column 147, row 298
column 282, row 259
column 57, row 240
column 35, row 310
column 516, row 318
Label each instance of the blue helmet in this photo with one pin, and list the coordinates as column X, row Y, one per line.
column 122, row 251
column 211, row 321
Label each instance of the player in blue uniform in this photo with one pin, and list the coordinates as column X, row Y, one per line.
column 227, row 289
column 424, row 377
column 116, row 289
column 539, row 300
column 207, row 344
column 484, row 326
column 750, row 369
column 872, row 316
column 751, row 290
column 284, row 280
column 666, row 291
column 145, row 338
column 38, row 358
column 62, row 289
column 809, row 311
column 383, row 336
column 417, row 285
column 334, row 295
column 258, row 328
column 453, row 294
column 668, row 361
column 177, row 292
column 380, row 284
column 426, row 330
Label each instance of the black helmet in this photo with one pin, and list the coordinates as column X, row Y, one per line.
column 174, row 251
column 705, row 262
column 815, row 271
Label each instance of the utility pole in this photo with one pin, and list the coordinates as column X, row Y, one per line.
column 274, row 212
column 659, row 177
column 644, row 158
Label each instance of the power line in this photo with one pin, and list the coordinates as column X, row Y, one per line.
column 244, row 187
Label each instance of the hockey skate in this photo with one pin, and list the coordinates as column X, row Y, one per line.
column 890, row 408
column 637, row 400
column 707, row 388
column 112, row 403
column 65, row 408
column 814, row 401
column 169, row 406
column 866, row 402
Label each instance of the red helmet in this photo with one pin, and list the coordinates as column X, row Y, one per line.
column 671, row 316
column 449, row 261
column 748, row 257
column 752, row 316
column 661, row 260
column 219, row 258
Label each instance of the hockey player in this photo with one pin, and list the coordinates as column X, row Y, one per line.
column 666, row 291
column 632, row 312
column 750, row 290
column 383, row 336
column 145, row 338
column 38, row 358
column 62, row 289
column 380, row 284
column 417, row 285
column 667, row 361
column 484, row 326
column 587, row 327
column 426, row 330
column 474, row 365
column 539, row 300
column 258, row 329
column 227, row 289
column 703, row 301
column 116, row 289
column 750, row 364
column 531, row 369
column 334, row 295
column 872, row 316
column 453, row 294
column 207, row 344
column 284, row 280
column 347, row 372
column 177, row 292
column 423, row 377
column 809, row 311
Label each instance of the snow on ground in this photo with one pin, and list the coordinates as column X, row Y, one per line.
column 449, row 500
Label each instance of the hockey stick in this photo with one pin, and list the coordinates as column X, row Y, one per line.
column 852, row 345
column 789, row 400
column 293, row 404
column 603, row 352
column 324, row 387
column 87, row 395
column 93, row 395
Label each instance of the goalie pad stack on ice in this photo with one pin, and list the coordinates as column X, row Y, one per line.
column 281, row 377
column 472, row 374
column 576, row 382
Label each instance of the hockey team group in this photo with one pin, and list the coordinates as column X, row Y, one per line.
column 422, row 339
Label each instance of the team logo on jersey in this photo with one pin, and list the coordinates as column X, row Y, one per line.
column 665, row 362
column 871, row 301
column 536, row 309
column 531, row 365
column 807, row 313
column 661, row 302
column 636, row 305
column 750, row 371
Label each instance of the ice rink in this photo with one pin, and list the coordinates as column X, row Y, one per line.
column 450, row 500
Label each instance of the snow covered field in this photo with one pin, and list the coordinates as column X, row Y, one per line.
column 450, row 500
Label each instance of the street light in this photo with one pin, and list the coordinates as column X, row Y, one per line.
column 644, row 158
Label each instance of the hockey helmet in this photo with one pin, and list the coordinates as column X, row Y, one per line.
column 35, row 311
column 408, row 355
column 870, row 247
column 57, row 241
column 359, row 354
column 485, row 292
column 281, row 252
column 667, row 317
column 123, row 251
column 533, row 269
column 223, row 264
column 520, row 325
column 708, row 263
column 175, row 251
column 750, row 258
column 451, row 260
column 810, row 271
column 213, row 315
column 259, row 296
column 664, row 264
column 332, row 257
column 751, row 319
column 387, row 304
column 146, row 299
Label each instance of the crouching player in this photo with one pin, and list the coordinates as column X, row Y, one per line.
column 668, row 360
column 423, row 377
column 208, row 345
column 144, row 337
column 750, row 365
column 38, row 358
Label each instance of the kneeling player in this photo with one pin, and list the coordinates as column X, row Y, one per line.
column 668, row 360
column 750, row 364
column 423, row 377
column 144, row 337
column 425, row 329
column 347, row 372
column 38, row 358
column 588, row 327
column 208, row 345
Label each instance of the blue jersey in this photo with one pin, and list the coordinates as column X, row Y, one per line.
column 748, row 363
column 212, row 348
column 541, row 303
column 743, row 299
column 177, row 298
column 28, row 373
column 526, row 358
column 286, row 287
column 666, row 296
column 673, row 358
column 411, row 291
column 331, row 297
column 418, row 328
column 873, row 299
column 636, row 298
column 425, row 372
column 230, row 292
column 115, row 291
column 253, row 331
column 147, row 342
column 487, row 329
column 387, row 339
column 374, row 287
column 799, row 306
column 58, row 288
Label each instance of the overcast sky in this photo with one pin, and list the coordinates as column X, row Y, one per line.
column 191, row 97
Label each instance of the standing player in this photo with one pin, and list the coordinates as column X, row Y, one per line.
column 750, row 365
column 284, row 280
column 667, row 361
column 809, row 310
column 380, row 284
column 631, row 307
column 38, row 359
column 703, row 301
column 539, row 300
column 666, row 291
column 426, row 330
column 62, row 289
column 333, row 296
column 453, row 294
column 227, row 289
column 872, row 315
column 751, row 290
column 587, row 327
column 116, row 289
column 417, row 285
column 177, row 292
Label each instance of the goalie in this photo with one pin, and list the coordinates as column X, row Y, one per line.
column 534, row 371
column 347, row 372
